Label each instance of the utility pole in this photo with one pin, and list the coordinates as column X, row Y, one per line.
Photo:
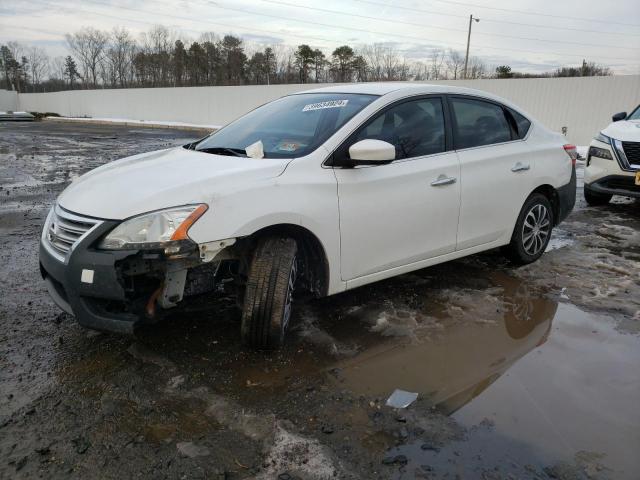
column 466, row 57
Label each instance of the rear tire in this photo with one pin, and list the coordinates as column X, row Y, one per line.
column 532, row 232
column 595, row 199
column 269, row 291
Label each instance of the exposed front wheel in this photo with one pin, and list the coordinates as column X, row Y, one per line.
column 595, row 199
column 532, row 231
column 269, row 291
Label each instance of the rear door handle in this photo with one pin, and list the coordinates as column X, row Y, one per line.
column 443, row 180
column 520, row 167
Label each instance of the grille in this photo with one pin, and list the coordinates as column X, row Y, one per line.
column 632, row 151
column 65, row 229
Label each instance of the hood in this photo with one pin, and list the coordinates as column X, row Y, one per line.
column 624, row 130
column 161, row 179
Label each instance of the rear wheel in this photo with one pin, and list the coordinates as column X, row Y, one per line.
column 269, row 291
column 532, row 231
column 594, row 199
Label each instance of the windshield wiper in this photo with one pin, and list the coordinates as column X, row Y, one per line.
column 234, row 152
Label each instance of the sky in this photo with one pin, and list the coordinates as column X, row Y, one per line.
column 529, row 35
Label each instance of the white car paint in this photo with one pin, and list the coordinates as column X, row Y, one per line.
column 623, row 130
column 372, row 221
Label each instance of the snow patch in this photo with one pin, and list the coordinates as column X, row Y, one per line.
column 128, row 121
column 298, row 455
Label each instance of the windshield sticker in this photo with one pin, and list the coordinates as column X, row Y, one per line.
column 329, row 104
column 288, row 146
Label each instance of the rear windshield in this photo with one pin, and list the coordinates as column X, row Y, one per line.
column 289, row 127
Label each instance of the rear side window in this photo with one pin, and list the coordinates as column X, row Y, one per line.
column 522, row 123
column 415, row 128
column 479, row 123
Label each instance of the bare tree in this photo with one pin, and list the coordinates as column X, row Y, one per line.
column 119, row 56
column 16, row 49
column 38, row 65
column 419, row 71
column 455, row 62
column 89, row 46
column 390, row 63
column 57, row 68
column 476, row 68
column 373, row 55
column 437, row 62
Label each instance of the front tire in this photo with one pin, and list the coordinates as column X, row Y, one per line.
column 532, row 232
column 269, row 291
column 595, row 199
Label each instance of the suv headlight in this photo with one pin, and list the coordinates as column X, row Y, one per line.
column 603, row 138
column 153, row 230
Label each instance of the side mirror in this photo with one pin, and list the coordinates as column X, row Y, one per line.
column 619, row 116
column 372, row 151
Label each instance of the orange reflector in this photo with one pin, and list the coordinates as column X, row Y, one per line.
column 181, row 231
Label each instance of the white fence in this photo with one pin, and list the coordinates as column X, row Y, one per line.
column 8, row 101
column 583, row 105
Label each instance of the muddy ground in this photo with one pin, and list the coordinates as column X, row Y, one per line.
column 521, row 372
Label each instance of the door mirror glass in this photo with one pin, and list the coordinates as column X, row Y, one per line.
column 619, row 116
column 373, row 151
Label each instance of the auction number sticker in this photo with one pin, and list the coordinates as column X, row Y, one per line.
column 328, row 104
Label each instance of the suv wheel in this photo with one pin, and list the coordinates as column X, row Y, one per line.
column 269, row 291
column 594, row 199
column 532, row 231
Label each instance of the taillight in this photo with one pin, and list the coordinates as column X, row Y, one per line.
column 572, row 151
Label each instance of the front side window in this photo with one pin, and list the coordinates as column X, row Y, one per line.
column 289, row 127
column 479, row 123
column 415, row 128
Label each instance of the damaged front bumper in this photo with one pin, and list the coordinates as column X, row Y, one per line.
column 118, row 290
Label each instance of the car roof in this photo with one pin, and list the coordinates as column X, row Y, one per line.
column 383, row 88
column 410, row 88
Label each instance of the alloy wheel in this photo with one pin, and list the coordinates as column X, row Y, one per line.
column 536, row 229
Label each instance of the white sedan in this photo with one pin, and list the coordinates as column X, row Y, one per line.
column 320, row 191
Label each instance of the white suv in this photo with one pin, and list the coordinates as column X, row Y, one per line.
column 613, row 160
column 321, row 191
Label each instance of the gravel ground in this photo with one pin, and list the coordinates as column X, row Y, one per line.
column 521, row 372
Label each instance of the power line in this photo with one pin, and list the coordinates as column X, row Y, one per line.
column 208, row 23
column 410, row 37
column 524, row 12
column 423, row 25
column 521, row 24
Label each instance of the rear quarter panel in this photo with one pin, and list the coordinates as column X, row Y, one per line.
column 552, row 166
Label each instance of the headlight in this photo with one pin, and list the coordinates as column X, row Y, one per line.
column 600, row 153
column 153, row 230
column 603, row 138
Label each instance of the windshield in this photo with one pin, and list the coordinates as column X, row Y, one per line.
column 289, row 127
column 635, row 115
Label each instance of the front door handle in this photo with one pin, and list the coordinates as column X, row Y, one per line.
column 443, row 180
column 520, row 167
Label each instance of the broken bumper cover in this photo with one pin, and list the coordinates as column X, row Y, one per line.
column 87, row 300
column 615, row 185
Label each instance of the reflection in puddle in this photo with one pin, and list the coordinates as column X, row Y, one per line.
column 571, row 405
column 451, row 364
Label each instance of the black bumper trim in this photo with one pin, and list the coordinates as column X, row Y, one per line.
column 623, row 185
column 567, row 198
column 80, row 298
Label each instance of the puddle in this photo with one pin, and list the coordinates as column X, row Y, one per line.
column 571, row 403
